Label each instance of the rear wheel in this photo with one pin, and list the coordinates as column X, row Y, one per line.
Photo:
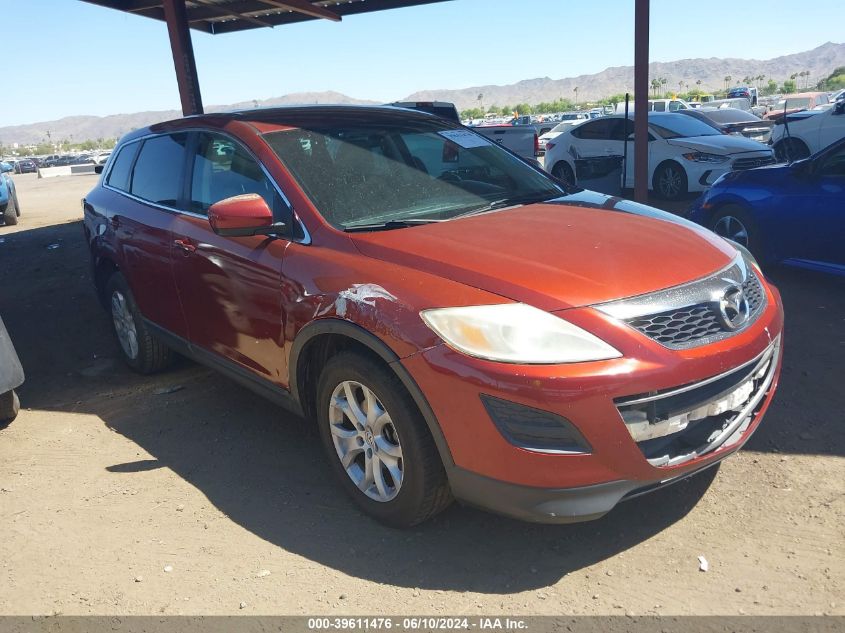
column 378, row 443
column 10, row 215
column 562, row 171
column 9, row 407
column 670, row 181
column 791, row 149
column 139, row 348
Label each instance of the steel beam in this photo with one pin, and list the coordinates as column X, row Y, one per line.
column 641, row 28
column 183, row 56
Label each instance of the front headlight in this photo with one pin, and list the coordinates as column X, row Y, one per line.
column 515, row 333
column 703, row 157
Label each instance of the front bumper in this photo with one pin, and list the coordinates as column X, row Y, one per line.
column 552, row 505
column 489, row 471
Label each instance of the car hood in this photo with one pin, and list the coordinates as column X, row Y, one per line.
column 581, row 249
column 724, row 144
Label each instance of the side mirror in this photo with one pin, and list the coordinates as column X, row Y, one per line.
column 243, row 215
column 839, row 108
column 98, row 169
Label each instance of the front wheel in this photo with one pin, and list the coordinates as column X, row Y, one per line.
column 670, row 181
column 9, row 407
column 377, row 442
column 734, row 223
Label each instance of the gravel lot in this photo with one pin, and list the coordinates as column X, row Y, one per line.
column 185, row 493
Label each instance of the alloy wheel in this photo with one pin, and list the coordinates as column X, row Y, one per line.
column 124, row 324
column 366, row 441
column 732, row 228
column 670, row 182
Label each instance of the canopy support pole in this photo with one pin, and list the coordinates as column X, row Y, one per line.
column 183, row 56
column 641, row 28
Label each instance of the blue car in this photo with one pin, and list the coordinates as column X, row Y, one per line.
column 792, row 214
column 10, row 210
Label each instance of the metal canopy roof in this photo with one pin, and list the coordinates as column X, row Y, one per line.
column 225, row 16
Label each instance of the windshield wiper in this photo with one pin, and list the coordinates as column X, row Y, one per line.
column 503, row 203
column 389, row 225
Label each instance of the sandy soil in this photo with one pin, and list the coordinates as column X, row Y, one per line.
column 184, row 493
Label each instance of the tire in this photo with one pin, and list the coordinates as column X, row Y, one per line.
column 670, row 181
column 138, row 347
column 413, row 486
column 9, row 407
column 562, row 171
column 11, row 213
column 734, row 223
column 791, row 149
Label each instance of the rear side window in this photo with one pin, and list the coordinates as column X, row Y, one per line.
column 122, row 167
column 157, row 176
column 598, row 130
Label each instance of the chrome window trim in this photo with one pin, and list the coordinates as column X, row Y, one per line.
column 305, row 240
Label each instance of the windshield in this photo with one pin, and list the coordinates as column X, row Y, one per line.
column 679, row 126
column 392, row 171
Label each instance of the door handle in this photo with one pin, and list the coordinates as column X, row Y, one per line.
column 186, row 246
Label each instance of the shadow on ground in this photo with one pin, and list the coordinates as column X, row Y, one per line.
column 267, row 472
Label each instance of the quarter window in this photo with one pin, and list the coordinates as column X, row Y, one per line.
column 122, row 167
column 157, row 176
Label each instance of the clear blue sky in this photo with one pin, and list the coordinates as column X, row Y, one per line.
column 66, row 57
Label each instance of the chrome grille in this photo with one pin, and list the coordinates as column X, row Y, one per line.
column 677, row 327
column 688, row 316
column 751, row 163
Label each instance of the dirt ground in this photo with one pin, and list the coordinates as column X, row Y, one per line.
column 186, row 494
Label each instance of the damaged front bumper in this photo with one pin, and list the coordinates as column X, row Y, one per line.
column 678, row 425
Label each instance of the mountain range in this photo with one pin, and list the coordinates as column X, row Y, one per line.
column 819, row 62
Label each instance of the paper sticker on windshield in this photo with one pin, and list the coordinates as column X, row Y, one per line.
column 465, row 138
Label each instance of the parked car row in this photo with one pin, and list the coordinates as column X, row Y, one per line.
column 28, row 165
column 685, row 154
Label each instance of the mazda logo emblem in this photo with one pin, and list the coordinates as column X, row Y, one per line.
column 734, row 308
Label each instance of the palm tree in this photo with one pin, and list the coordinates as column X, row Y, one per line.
column 575, row 90
column 655, row 86
column 481, row 101
column 727, row 82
